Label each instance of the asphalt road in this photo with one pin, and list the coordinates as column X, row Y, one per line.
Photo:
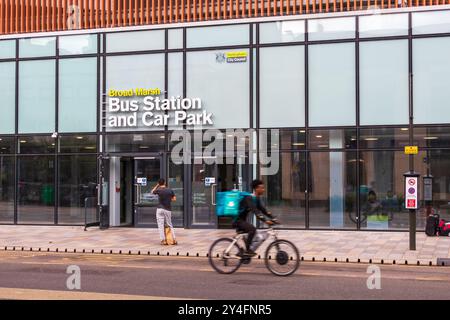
column 28, row 275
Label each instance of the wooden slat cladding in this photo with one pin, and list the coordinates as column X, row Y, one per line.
column 20, row 16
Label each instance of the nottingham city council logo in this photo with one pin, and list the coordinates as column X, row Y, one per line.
column 220, row 57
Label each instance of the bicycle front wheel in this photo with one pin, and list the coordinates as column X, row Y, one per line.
column 224, row 256
column 282, row 258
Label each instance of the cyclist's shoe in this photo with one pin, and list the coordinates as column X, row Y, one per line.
column 250, row 253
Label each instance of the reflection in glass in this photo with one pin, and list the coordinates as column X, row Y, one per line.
column 388, row 76
column 282, row 31
column 175, row 182
column 175, row 39
column 131, row 72
column 147, row 202
column 432, row 137
column 37, row 47
column 435, row 163
column 77, row 188
column 36, row 190
column 216, row 36
column 332, row 85
column 382, row 190
column 431, row 22
column 154, row 142
column 332, row 139
column 431, row 80
column 282, row 75
column 285, row 190
column 331, row 28
column 332, row 190
column 7, row 145
column 37, row 96
column 36, row 144
column 6, row 189
column 135, row 41
column 78, row 144
column 202, row 195
column 384, row 138
column 8, row 97
column 223, row 87
column 81, row 44
column 383, row 25
column 7, row 49
column 77, row 95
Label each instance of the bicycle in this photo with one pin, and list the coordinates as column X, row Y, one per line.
column 230, row 253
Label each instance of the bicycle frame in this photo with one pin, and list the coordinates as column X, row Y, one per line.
column 271, row 233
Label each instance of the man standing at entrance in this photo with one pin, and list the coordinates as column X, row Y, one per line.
column 164, row 209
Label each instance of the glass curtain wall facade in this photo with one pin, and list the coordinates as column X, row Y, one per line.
column 336, row 90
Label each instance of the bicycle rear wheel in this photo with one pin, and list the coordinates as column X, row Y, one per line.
column 282, row 258
column 223, row 261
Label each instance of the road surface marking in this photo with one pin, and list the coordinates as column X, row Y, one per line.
column 37, row 294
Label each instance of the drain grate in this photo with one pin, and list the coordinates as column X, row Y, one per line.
column 443, row 261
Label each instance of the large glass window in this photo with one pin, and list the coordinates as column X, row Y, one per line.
column 432, row 137
column 36, row 144
column 6, row 189
column 218, row 36
column 222, row 85
column 435, row 163
column 384, row 82
column 285, row 139
column 331, row 28
column 154, row 142
column 77, row 187
column 382, row 190
column 378, row 138
column 37, row 47
column 175, row 83
column 431, row 80
column 332, row 85
column 175, row 39
column 282, row 87
column 36, row 190
column 382, row 25
column 175, row 182
column 332, row 139
column 332, row 190
column 282, row 31
column 131, row 72
column 285, row 190
column 135, row 41
column 78, row 95
column 78, row 144
column 7, row 145
column 80, row 44
column 7, row 49
column 37, row 96
column 431, row 22
column 8, row 97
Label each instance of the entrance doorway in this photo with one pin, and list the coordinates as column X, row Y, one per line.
column 138, row 176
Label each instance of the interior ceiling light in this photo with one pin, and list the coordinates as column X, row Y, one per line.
column 430, row 138
column 371, row 139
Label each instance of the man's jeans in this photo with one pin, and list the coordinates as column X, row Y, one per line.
column 164, row 216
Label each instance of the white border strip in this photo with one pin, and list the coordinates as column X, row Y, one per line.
column 227, row 22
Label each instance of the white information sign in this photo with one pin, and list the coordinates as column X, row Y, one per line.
column 411, row 198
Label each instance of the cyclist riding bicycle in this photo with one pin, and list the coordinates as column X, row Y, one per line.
column 252, row 204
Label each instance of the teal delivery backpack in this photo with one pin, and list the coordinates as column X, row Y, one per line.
column 227, row 203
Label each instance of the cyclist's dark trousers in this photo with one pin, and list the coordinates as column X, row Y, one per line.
column 248, row 228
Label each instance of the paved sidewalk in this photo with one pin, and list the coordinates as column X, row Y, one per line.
column 317, row 245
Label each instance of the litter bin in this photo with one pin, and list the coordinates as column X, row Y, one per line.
column 47, row 194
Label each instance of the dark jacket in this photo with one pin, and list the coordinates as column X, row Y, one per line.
column 251, row 204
